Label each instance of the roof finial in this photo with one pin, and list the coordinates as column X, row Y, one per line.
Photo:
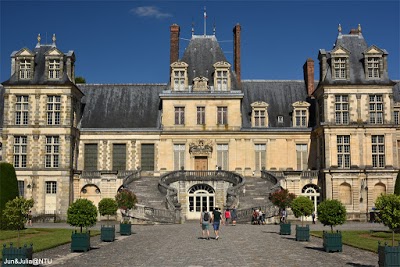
column 205, row 20
column 38, row 40
column 340, row 29
column 54, row 40
column 359, row 29
column 192, row 27
column 214, row 27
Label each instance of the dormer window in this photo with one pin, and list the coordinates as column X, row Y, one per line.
column 280, row 119
column 23, row 64
column 339, row 68
column 25, row 69
column 340, row 63
column 54, row 69
column 179, row 76
column 373, row 67
column 259, row 114
column 222, row 81
column 373, row 63
column 300, row 114
column 54, row 64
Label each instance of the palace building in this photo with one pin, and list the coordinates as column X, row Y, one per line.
column 196, row 141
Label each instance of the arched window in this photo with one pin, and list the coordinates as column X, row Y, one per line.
column 201, row 197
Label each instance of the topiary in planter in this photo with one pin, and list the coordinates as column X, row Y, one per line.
column 126, row 200
column 107, row 207
column 82, row 213
column 302, row 206
column 282, row 199
column 331, row 212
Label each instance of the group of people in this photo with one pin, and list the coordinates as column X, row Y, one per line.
column 258, row 217
column 216, row 218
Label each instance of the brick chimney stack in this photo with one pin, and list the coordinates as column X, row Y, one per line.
column 236, row 51
column 174, row 43
column 308, row 69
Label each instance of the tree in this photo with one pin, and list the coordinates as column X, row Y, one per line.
column 302, row 206
column 397, row 185
column 389, row 211
column 282, row 198
column 80, row 79
column 331, row 212
column 108, row 206
column 8, row 188
column 82, row 213
column 15, row 213
column 126, row 200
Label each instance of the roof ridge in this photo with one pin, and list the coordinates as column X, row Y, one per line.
column 123, row 84
column 254, row 80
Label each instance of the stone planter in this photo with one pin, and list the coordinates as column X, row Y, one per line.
column 80, row 241
column 285, row 229
column 302, row 233
column 13, row 256
column 107, row 233
column 332, row 241
column 388, row 256
column 125, row 228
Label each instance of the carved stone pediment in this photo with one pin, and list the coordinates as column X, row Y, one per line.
column 200, row 147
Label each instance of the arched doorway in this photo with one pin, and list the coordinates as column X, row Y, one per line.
column 312, row 192
column 200, row 196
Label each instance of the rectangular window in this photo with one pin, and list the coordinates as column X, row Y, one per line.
column 179, row 80
column 302, row 157
column 21, row 188
column 343, row 151
column 147, row 157
column 53, row 110
column 259, row 118
column 54, row 69
column 201, row 115
column 373, row 67
column 396, row 117
column 339, row 66
column 260, row 157
column 20, row 151
column 90, row 160
column 25, row 69
column 51, row 187
column 222, row 115
column 301, row 118
column 378, row 151
column 222, row 80
column 21, row 110
column 342, row 109
column 376, row 109
column 52, row 152
column 179, row 115
column 119, row 157
column 222, row 156
column 179, row 156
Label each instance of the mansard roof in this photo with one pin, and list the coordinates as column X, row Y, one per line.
column 280, row 95
column 1, row 105
column 201, row 54
column 116, row 106
column 39, row 76
column 396, row 91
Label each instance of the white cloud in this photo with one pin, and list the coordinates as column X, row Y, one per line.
column 150, row 12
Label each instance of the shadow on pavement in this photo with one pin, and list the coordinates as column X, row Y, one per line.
column 358, row 265
column 316, row 248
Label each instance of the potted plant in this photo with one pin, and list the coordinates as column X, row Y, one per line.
column 302, row 206
column 389, row 214
column 331, row 212
column 107, row 206
column 81, row 213
column 126, row 200
column 15, row 217
column 282, row 199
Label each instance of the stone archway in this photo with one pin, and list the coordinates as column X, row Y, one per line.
column 92, row 193
column 200, row 197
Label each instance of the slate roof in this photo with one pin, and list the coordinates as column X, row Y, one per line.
column 38, row 76
column 201, row 54
column 396, row 91
column 280, row 95
column 1, row 105
column 356, row 45
column 119, row 106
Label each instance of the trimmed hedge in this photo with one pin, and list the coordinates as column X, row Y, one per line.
column 8, row 188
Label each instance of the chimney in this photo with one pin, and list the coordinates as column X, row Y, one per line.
column 308, row 69
column 174, row 44
column 236, row 51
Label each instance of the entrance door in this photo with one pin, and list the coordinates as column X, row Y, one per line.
column 201, row 163
column 312, row 192
column 200, row 197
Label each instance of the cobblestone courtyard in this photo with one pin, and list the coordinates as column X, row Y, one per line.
column 181, row 245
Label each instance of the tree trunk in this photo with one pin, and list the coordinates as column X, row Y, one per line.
column 392, row 238
column 332, row 228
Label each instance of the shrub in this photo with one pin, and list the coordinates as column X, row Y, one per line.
column 82, row 213
column 126, row 200
column 302, row 206
column 282, row 198
column 397, row 185
column 331, row 212
column 389, row 211
column 8, row 188
column 108, row 206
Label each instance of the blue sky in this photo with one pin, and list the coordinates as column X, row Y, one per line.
column 128, row 41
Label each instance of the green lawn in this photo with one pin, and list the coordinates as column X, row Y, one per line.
column 41, row 239
column 367, row 240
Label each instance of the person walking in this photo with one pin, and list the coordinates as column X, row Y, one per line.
column 216, row 219
column 227, row 216
column 29, row 218
column 313, row 217
column 234, row 215
column 205, row 218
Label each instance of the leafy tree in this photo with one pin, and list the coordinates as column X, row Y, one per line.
column 282, row 198
column 397, row 185
column 331, row 212
column 80, row 79
column 8, row 188
column 389, row 211
column 302, row 206
column 108, row 206
column 82, row 213
column 15, row 213
column 126, row 200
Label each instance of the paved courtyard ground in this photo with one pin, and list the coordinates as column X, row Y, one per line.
column 241, row 245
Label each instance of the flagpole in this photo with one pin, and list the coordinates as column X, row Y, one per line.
column 205, row 21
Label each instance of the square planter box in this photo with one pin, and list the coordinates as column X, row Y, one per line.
column 285, row 229
column 107, row 233
column 125, row 228
column 388, row 256
column 13, row 254
column 302, row 233
column 80, row 241
column 332, row 241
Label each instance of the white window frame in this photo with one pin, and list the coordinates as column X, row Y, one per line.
column 340, row 68
column 343, row 151
column 373, row 67
column 223, row 156
column 52, row 150
column 54, row 68
column 301, row 157
column 22, row 110
column 20, row 151
column 51, row 187
column 53, row 110
column 260, row 156
column 378, row 151
column 179, row 79
column 376, row 109
column 342, row 109
column 179, row 156
column 222, row 76
column 25, row 69
column 300, row 114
